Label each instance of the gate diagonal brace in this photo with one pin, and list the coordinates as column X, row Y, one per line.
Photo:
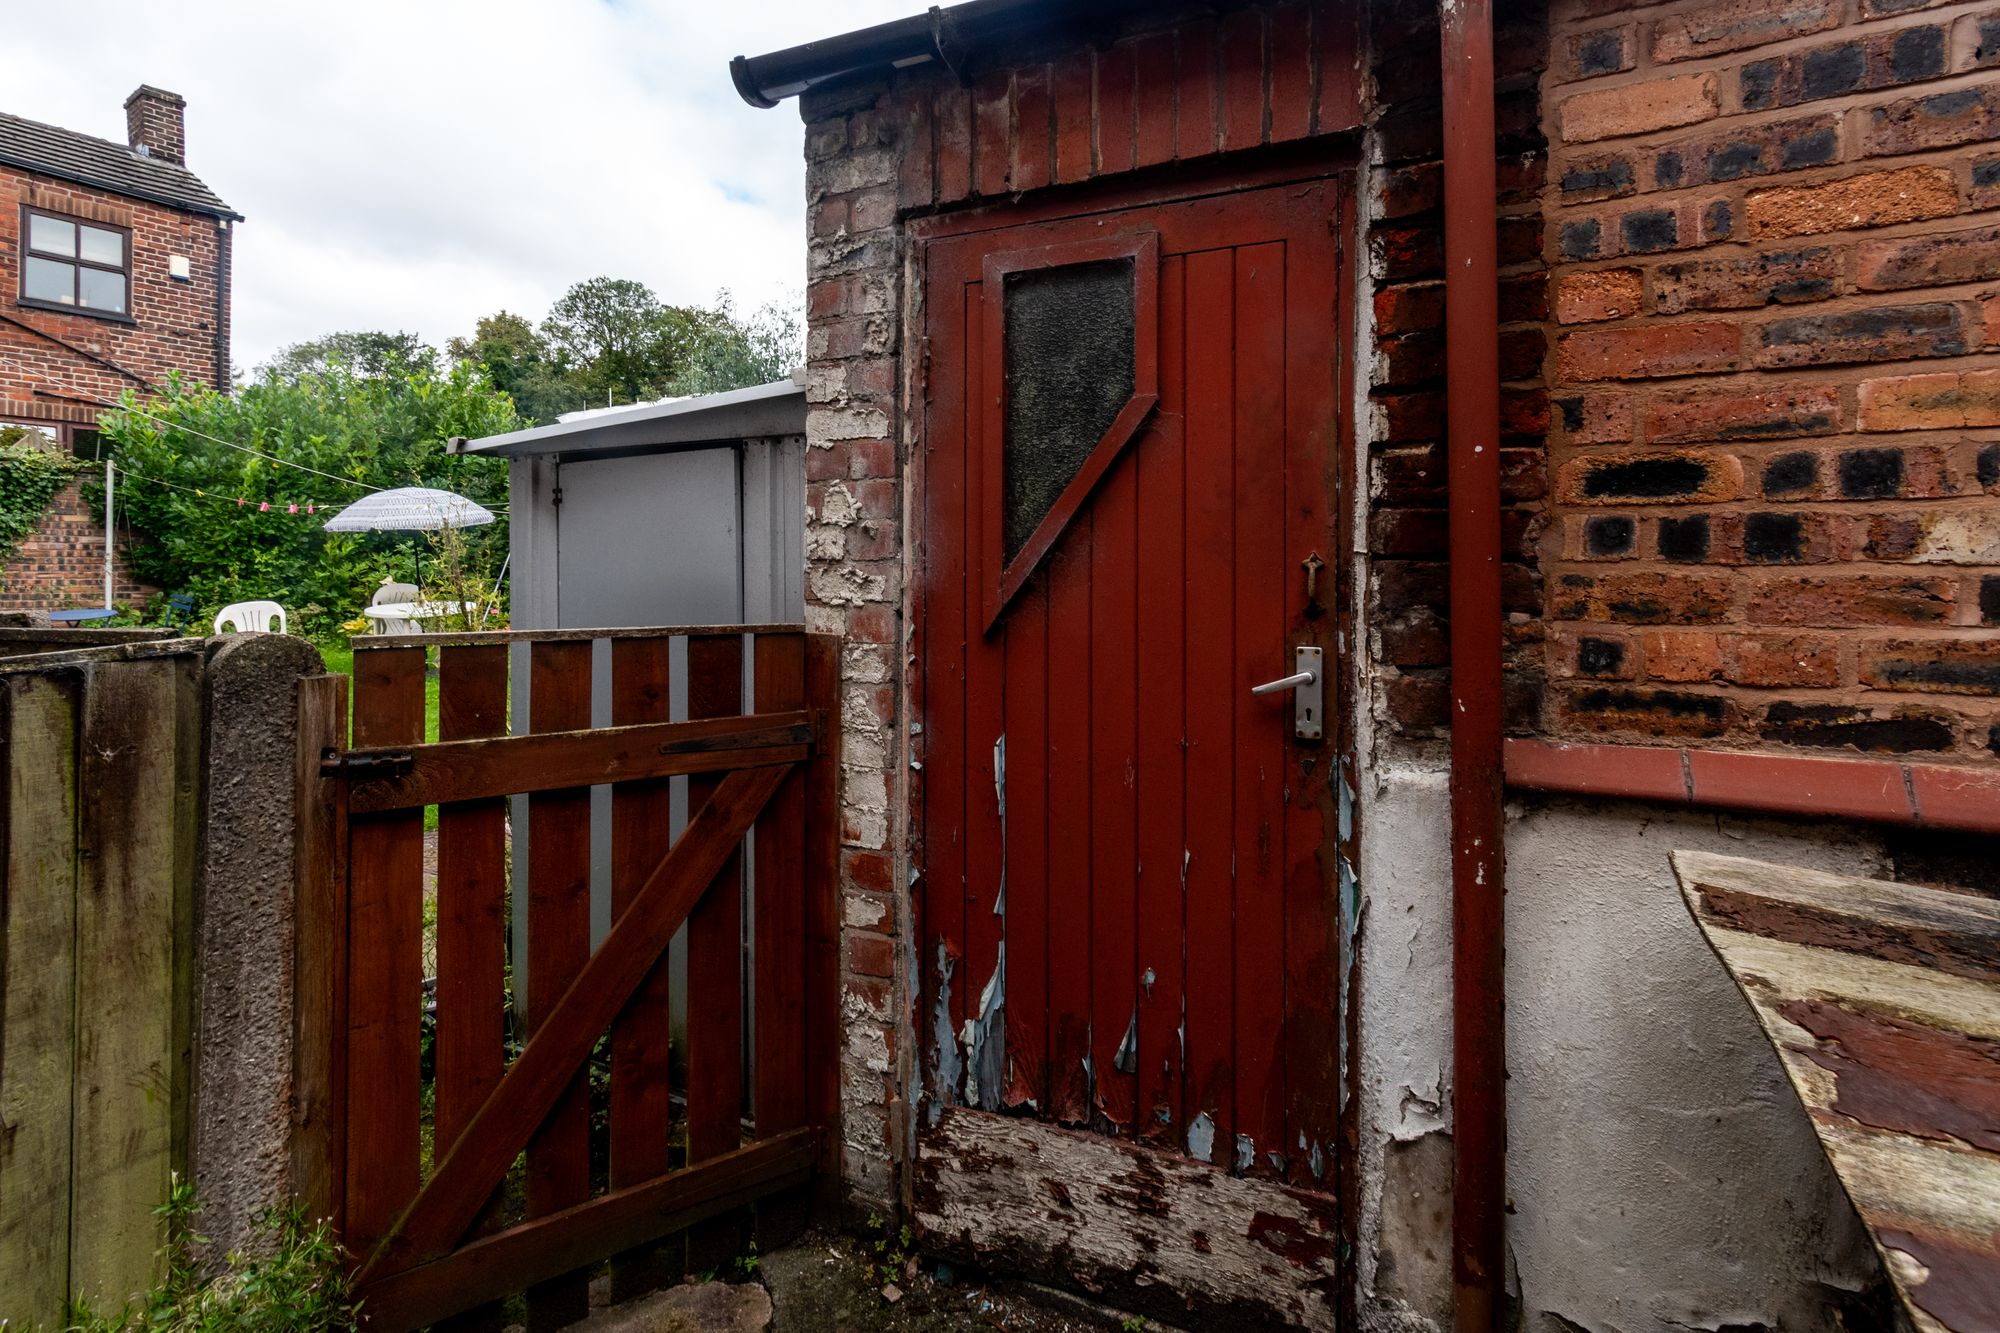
column 446, row 1207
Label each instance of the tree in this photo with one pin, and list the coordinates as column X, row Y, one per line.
column 227, row 525
column 360, row 351
column 612, row 336
column 518, row 361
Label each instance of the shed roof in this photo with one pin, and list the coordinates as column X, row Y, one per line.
column 777, row 408
column 104, row 165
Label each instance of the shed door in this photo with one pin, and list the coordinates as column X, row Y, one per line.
column 1128, row 910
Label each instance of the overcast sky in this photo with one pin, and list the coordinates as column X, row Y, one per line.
column 415, row 164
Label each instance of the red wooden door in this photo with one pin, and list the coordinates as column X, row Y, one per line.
column 1128, row 913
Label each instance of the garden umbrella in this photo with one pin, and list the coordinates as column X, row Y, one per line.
column 409, row 509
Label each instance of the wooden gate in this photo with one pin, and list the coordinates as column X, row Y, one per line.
column 525, row 1133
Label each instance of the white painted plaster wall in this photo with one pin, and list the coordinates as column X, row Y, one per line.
column 1661, row 1175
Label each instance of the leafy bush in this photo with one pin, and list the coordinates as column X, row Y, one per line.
column 220, row 524
column 31, row 474
column 299, row 1287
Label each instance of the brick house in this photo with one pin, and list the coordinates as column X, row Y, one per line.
column 1180, row 993
column 114, row 275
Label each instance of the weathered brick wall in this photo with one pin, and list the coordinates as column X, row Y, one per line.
column 1406, row 440
column 173, row 329
column 62, row 563
column 1776, row 385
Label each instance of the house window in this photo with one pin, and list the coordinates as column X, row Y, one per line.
column 76, row 265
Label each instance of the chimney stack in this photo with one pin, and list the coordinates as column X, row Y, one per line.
column 155, row 124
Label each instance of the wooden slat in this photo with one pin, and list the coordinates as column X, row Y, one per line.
column 954, row 143
column 385, row 962
column 1027, row 847
column 1113, row 123
column 1162, row 663
column 1153, row 133
column 562, row 1241
column 1311, row 1009
column 1034, row 146
column 1069, row 823
column 780, row 679
column 467, row 770
column 540, row 1076
column 822, row 915
column 1292, row 75
column 1267, row 585
column 134, row 931
column 319, row 1061
column 475, row 637
column 1242, row 104
column 1208, row 1096
column 558, row 946
column 1074, row 114
column 715, row 964
column 977, row 991
column 641, row 834
column 992, row 132
column 1195, row 111
column 37, row 980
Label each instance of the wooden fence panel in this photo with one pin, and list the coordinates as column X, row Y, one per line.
column 319, row 1060
column 134, row 934
column 37, row 1016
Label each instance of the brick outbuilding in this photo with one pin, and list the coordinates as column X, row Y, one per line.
column 1155, row 349
column 114, row 277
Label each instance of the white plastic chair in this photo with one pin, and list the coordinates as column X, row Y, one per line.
column 251, row 616
column 395, row 592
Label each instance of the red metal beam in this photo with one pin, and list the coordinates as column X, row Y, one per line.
column 1472, row 369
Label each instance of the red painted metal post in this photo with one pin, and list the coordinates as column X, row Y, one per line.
column 1472, row 368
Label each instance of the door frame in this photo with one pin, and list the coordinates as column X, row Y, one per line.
column 1337, row 162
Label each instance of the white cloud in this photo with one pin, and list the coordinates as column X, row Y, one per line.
column 415, row 164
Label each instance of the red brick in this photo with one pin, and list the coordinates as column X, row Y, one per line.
column 1595, row 418
column 1931, row 402
column 1409, row 309
column 1682, row 656
column 1936, row 260
column 1938, row 120
column 1403, row 192
column 1879, row 333
column 1864, row 599
column 1874, row 200
column 1659, row 476
column 1741, row 151
column 1769, row 415
column 1770, row 661
column 1637, row 108
column 1642, row 598
column 1585, row 296
column 1586, row 55
column 1776, row 277
column 1738, row 25
column 1944, row 666
column 1850, row 65
column 1647, row 713
column 870, row 955
column 1647, row 351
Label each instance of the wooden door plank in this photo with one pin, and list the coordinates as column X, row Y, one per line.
column 979, row 991
column 133, row 936
column 619, row 1220
column 780, row 1083
column 1208, row 1095
column 539, row 1078
column 1312, row 996
column 641, row 834
column 37, row 980
column 470, row 769
column 1114, row 752
column 1162, row 655
column 823, row 918
column 1267, row 586
column 1027, row 846
column 558, row 947
column 1069, row 824
column 384, row 962
column 319, row 1022
column 948, row 599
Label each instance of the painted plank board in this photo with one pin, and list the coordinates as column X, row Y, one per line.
column 558, row 946
column 1291, row 72
column 1162, row 760
column 134, row 906
column 1034, row 128
column 1150, row 1230
column 1208, row 1099
column 1114, row 746
column 1197, row 114
column 992, row 132
column 1241, row 40
column 954, row 142
column 37, row 980
column 1153, row 101
column 319, row 1016
column 1069, row 820
column 1266, row 583
column 1893, row 1056
column 1071, row 83
column 779, row 667
column 385, row 961
column 1311, row 1011
column 1114, row 125
column 715, row 964
column 1026, row 769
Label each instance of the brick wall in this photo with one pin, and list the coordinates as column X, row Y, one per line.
column 1775, row 446
column 1406, row 461
column 173, row 330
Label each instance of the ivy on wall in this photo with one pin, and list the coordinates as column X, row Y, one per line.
column 32, row 473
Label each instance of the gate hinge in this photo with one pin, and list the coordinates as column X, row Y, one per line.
column 366, row 764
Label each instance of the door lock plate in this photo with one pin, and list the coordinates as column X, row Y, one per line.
column 1309, row 699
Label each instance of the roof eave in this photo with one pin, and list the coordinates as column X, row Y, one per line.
column 758, row 412
column 224, row 213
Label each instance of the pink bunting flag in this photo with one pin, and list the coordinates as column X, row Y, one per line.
column 264, row 508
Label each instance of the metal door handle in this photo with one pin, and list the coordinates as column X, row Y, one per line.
column 1309, row 692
